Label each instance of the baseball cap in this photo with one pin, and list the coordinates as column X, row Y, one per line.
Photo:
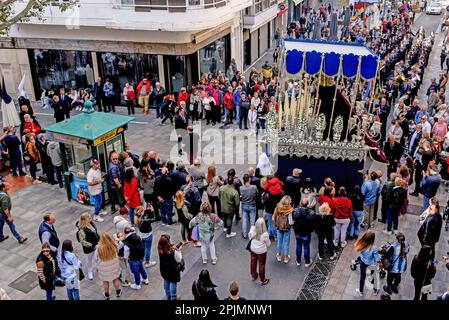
column 94, row 161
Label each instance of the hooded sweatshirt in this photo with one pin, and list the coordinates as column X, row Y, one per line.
column 342, row 208
column 274, row 186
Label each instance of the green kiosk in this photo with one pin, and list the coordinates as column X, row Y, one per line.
column 86, row 136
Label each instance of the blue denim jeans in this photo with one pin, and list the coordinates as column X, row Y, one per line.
column 49, row 295
column 249, row 213
column 354, row 226
column 137, row 270
column 425, row 202
column 73, row 294
column 158, row 106
column 166, row 209
column 147, row 243
column 12, row 227
column 300, row 241
column 98, row 199
column 131, row 212
column 170, row 289
column 238, row 113
column 270, row 225
column 58, row 171
column 283, row 242
column 392, row 219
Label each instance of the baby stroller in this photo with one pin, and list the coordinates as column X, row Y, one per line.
column 382, row 251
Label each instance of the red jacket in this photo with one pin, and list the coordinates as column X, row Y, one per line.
column 342, row 208
column 132, row 194
column 183, row 97
column 322, row 199
column 139, row 86
column 274, row 186
column 228, row 100
column 34, row 128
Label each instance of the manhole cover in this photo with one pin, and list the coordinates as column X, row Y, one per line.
column 306, row 294
column 315, row 281
column 323, row 268
column 26, row 282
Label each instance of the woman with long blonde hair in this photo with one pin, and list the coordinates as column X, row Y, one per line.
column 259, row 243
column 283, row 220
column 106, row 256
column 88, row 236
column 368, row 257
column 184, row 216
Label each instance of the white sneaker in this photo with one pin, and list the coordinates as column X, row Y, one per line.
column 298, row 263
column 90, row 276
column 225, row 229
column 125, row 283
column 319, row 258
column 214, row 261
column 103, row 213
column 232, row 234
column 387, row 232
column 335, row 243
column 309, row 264
column 98, row 219
column 359, row 293
column 343, row 244
column 37, row 181
column 135, row 286
column 150, row 264
column 145, row 281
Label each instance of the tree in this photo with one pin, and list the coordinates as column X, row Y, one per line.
column 34, row 8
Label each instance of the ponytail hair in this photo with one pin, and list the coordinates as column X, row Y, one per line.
column 400, row 237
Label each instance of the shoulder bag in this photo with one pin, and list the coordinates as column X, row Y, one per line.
column 248, row 246
column 81, row 275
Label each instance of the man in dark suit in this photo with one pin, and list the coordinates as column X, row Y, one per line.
column 393, row 153
column 193, row 144
column 65, row 102
column 181, row 123
column 98, row 93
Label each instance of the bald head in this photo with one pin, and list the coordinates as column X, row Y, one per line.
column 251, row 171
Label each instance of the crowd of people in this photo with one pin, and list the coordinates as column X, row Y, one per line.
column 146, row 190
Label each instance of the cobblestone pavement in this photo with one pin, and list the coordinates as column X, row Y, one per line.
column 145, row 133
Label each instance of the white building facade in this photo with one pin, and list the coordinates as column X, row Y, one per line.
column 172, row 41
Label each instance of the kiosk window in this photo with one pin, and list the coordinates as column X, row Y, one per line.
column 115, row 144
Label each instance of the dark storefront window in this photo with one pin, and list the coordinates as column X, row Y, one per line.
column 57, row 68
column 121, row 68
column 213, row 57
column 176, row 72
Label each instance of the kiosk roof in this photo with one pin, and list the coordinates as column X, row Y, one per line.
column 89, row 126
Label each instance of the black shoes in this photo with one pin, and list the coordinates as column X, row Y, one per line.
column 4, row 238
column 387, row 290
column 414, row 194
column 22, row 240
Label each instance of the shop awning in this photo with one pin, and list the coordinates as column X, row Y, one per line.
column 90, row 126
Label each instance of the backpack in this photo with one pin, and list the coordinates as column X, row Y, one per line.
column 387, row 259
column 282, row 222
column 145, row 222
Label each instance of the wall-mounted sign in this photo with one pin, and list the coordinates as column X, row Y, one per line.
column 58, row 137
column 107, row 136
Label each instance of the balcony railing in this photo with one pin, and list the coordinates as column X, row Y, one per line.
column 262, row 5
column 170, row 5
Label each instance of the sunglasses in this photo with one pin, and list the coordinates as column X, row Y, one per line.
column 114, row 158
column 45, row 250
